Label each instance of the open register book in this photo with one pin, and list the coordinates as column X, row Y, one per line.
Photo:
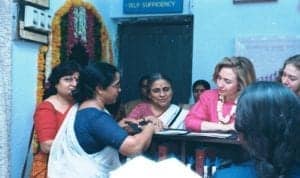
column 187, row 133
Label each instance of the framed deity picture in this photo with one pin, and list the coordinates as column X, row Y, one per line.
column 251, row 1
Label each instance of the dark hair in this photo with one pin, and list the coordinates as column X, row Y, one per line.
column 243, row 68
column 142, row 79
column 203, row 83
column 95, row 74
column 268, row 116
column 154, row 77
column 65, row 68
column 295, row 60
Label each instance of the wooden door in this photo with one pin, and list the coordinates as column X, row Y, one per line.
column 156, row 45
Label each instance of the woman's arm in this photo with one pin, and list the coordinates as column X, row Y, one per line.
column 45, row 125
column 107, row 132
column 137, row 143
column 202, row 116
column 194, row 118
column 213, row 126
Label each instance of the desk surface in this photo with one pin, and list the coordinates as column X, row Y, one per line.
column 194, row 137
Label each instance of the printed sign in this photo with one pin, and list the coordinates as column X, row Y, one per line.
column 152, row 6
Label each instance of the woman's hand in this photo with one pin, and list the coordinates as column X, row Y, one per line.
column 158, row 124
column 230, row 127
column 46, row 146
column 124, row 122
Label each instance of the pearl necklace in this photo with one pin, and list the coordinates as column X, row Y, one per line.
column 221, row 118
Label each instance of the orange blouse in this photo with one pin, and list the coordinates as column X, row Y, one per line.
column 47, row 121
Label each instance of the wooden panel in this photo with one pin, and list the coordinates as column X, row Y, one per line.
column 156, row 46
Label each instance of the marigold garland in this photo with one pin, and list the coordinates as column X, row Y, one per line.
column 59, row 51
column 41, row 73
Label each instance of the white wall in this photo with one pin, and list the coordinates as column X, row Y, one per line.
column 5, row 85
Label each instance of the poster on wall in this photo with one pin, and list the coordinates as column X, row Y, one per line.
column 267, row 53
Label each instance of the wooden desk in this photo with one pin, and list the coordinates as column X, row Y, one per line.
column 185, row 140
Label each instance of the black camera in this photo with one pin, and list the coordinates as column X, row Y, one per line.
column 134, row 128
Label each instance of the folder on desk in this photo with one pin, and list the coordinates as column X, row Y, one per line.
column 210, row 134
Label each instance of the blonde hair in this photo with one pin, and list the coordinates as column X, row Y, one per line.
column 243, row 68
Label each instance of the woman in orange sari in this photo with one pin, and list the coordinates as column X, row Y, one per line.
column 50, row 114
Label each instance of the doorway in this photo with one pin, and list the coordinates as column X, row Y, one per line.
column 160, row 44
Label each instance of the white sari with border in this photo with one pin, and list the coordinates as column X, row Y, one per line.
column 174, row 117
column 68, row 160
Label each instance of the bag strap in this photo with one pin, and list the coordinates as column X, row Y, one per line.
column 174, row 119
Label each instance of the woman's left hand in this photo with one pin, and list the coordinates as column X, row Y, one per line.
column 158, row 124
column 124, row 122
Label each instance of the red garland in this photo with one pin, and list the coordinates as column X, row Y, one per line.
column 71, row 40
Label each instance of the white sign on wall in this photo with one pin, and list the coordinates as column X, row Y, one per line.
column 267, row 53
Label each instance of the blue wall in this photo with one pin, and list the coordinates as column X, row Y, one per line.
column 216, row 25
column 23, row 101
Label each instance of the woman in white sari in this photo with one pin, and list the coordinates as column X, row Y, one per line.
column 159, row 108
column 89, row 140
column 161, row 112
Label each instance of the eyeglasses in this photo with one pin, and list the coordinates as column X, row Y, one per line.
column 70, row 79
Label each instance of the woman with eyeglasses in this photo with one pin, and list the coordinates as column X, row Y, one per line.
column 50, row 114
column 159, row 108
column 90, row 140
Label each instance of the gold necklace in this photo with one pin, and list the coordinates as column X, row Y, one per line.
column 221, row 118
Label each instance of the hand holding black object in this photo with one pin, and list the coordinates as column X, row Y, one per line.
column 144, row 122
column 134, row 128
